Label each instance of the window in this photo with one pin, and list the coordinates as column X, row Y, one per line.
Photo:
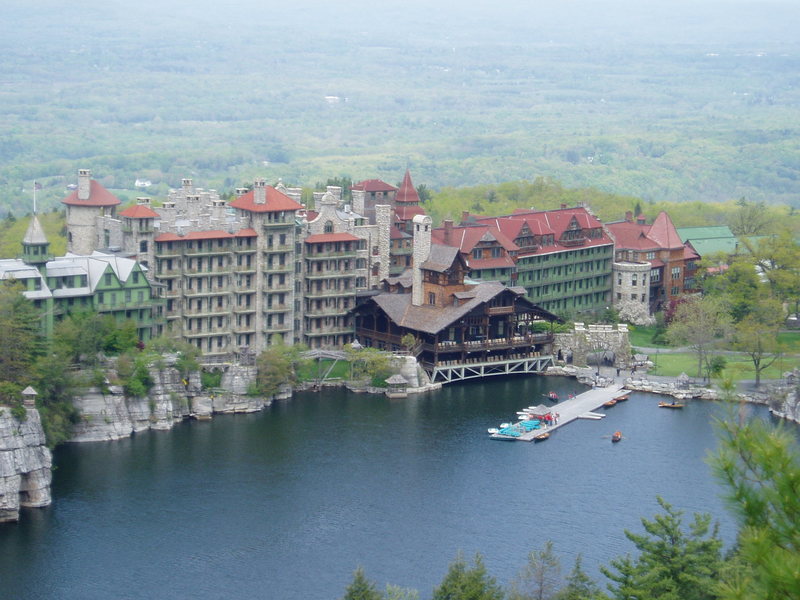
column 676, row 272
column 477, row 253
column 328, row 226
column 107, row 278
column 143, row 246
column 431, row 298
column 674, row 291
column 651, row 255
column 634, row 280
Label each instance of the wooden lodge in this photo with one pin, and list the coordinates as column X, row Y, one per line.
column 455, row 324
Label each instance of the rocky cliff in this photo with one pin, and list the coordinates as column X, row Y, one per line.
column 25, row 464
column 108, row 414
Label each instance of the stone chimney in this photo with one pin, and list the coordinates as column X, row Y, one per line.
column 464, row 217
column 187, row 185
column 84, row 184
column 641, row 220
column 143, row 201
column 629, row 216
column 422, row 250
column 260, row 191
column 240, row 192
column 383, row 220
column 448, row 231
column 358, row 201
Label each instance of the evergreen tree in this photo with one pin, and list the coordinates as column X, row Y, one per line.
column 760, row 466
column 672, row 564
column 468, row 583
column 540, row 577
column 361, row 588
column 579, row 585
column 21, row 338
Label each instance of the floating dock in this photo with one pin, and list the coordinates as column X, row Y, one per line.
column 569, row 410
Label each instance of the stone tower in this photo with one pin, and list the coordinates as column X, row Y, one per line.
column 422, row 249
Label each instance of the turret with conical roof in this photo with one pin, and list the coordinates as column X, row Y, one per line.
column 35, row 247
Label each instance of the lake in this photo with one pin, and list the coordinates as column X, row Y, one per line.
column 286, row 503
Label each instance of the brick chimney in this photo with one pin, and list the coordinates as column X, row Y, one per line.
column 260, row 191
column 448, row 231
column 422, row 250
column 84, row 184
column 464, row 217
column 641, row 220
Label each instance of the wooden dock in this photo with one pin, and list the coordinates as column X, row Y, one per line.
column 569, row 410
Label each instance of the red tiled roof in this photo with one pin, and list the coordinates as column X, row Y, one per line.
column 246, row 233
column 213, row 234
column 139, row 211
column 396, row 234
column 632, row 236
column 311, row 215
column 490, row 263
column 407, row 193
column 98, row 196
column 466, row 238
column 276, row 201
column 331, row 237
column 373, row 185
column 689, row 253
column 406, row 213
column 663, row 232
column 656, row 263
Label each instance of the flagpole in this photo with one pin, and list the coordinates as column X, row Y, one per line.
column 34, row 197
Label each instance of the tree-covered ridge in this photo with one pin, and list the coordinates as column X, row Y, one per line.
column 178, row 95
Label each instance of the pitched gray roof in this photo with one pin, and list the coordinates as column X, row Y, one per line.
column 440, row 258
column 430, row 318
column 35, row 233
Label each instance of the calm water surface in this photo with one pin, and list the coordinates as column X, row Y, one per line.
column 286, row 503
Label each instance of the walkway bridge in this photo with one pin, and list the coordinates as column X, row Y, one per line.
column 450, row 371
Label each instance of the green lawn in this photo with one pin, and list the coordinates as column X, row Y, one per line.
column 737, row 367
column 640, row 335
column 311, row 370
column 790, row 341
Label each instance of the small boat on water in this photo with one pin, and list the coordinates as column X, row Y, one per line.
column 493, row 430
column 617, row 436
column 551, row 396
column 672, row 404
column 622, row 397
column 541, row 437
column 610, row 403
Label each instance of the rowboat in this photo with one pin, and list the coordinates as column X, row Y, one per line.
column 609, row 403
column 541, row 437
column 617, row 436
column 672, row 404
column 622, row 397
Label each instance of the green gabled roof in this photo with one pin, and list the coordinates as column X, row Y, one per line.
column 703, row 233
column 707, row 247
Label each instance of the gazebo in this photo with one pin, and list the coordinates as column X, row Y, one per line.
column 398, row 387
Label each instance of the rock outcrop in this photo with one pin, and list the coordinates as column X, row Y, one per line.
column 25, row 463
column 108, row 414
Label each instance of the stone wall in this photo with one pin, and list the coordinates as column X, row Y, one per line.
column 25, row 463
column 583, row 342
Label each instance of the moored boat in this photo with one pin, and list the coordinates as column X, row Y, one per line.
column 617, row 436
column 493, row 430
column 672, row 404
column 541, row 437
column 622, row 397
column 609, row 403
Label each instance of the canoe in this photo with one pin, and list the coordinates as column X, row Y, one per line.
column 670, row 405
